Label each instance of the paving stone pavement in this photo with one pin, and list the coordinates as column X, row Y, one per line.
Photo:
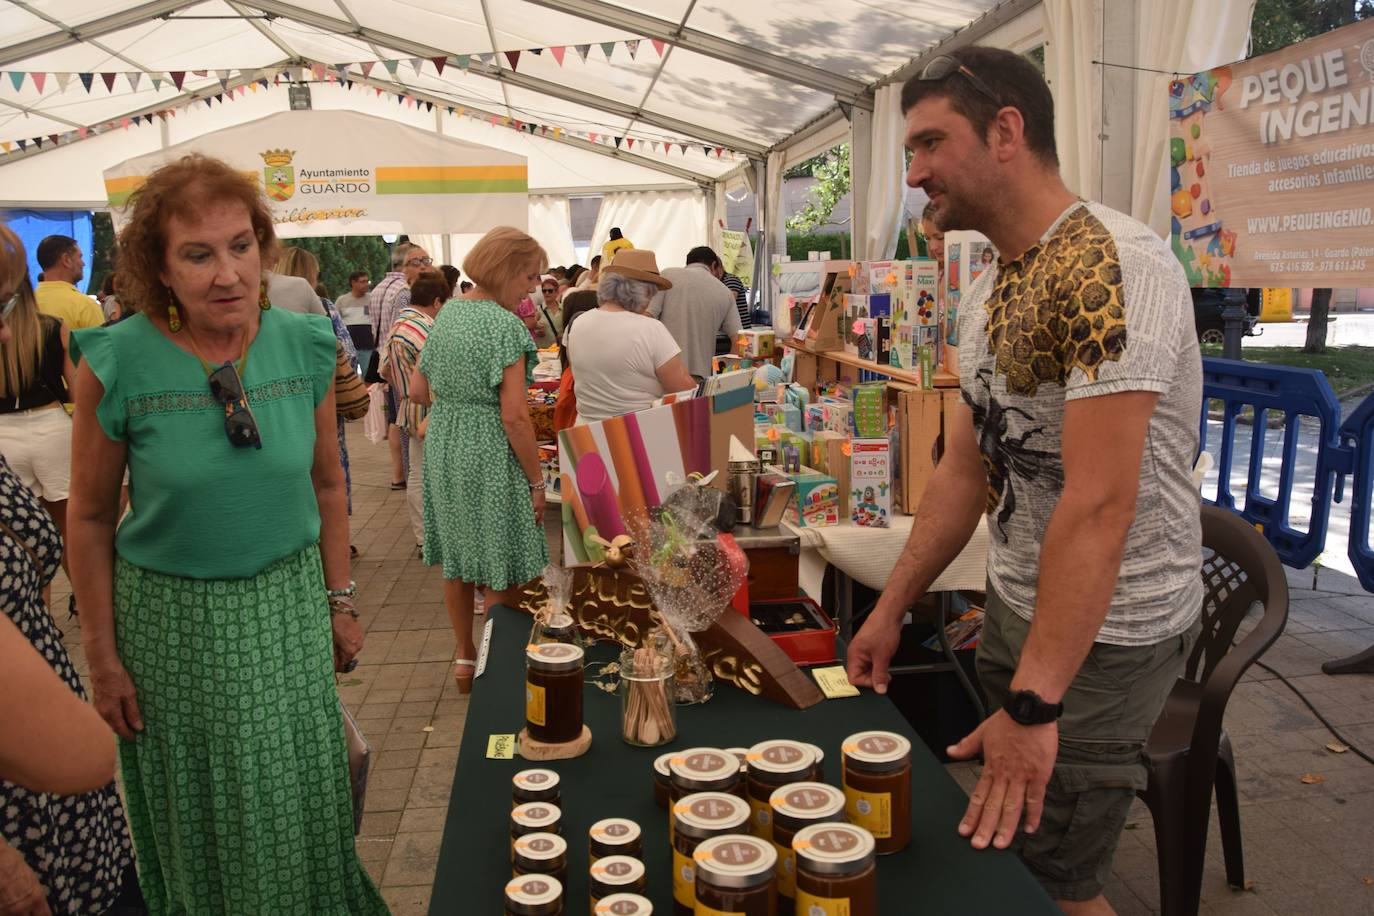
column 1309, row 849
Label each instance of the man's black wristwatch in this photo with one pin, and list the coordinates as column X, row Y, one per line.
column 1026, row 708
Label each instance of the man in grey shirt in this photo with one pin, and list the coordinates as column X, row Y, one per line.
column 697, row 308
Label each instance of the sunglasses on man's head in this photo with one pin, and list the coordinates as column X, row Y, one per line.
column 227, row 389
column 945, row 66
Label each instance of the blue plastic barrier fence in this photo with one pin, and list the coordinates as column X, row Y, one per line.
column 1295, row 393
column 1357, row 434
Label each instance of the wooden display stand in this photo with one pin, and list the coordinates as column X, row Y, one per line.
column 531, row 749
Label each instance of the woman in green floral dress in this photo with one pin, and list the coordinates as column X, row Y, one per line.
column 483, row 489
column 217, row 610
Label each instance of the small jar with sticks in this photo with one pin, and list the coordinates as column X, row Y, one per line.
column 647, row 715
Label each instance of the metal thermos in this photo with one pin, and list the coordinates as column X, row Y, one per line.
column 743, row 479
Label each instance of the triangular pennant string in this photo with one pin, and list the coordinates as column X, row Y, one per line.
column 108, row 79
column 629, row 142
column 513, row 57
column 6, row 145
column 391, row 66
column 633, row 47
column 718, row 151
column 367, row 66
column 438, row 63
column 23, row 145
column 618, row 141
column 558, row 54
column 486, row 58
column 464, row 60
column 417, row 63
column 318, row 71
column 62, row 80
column 134, row 79
column 38, row 79
column 608, row 48
column 341, row 71
column 658, row 46
column 591, row 138
column 17, row 78
column 583, row 51
column 88, row 78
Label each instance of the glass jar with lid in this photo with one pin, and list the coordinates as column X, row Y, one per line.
column 794, row 807
column 541, row 854
column 615, row 875
column 614, row 836
column 534, row 817
column 701, row 769
column 534, row 895
column 559, row 628
column 877, row 787
column 818, row 771
column 699, row 817
column 836, row 871
column 735, row 874
column 553, row 692
column 536, row 785
column 773, row 764
column 662, row 779
column 624, row 905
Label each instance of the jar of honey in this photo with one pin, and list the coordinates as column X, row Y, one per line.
column 624, row 905
column 534, row 895
column 836, row 872
column 533, row 817
column 696, row 818
column 614, row 836
column 877, row 787
column 818, row 771
column 735, row 875
column 553, row 692
column 541, row 854
column 560, row 628
column 615, row 875
column 661, row 779
column 535, row 786
column 773, row 764
column 741, row 753
column 701, row 769
column 794, row 807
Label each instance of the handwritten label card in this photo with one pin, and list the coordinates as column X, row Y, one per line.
column 834, row 683
column 502, row 747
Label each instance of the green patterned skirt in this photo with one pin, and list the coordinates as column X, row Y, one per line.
column 237, row 789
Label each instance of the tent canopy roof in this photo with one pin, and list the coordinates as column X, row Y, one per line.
column 708, row 74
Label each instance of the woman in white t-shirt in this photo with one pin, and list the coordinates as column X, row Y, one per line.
column 622, row 359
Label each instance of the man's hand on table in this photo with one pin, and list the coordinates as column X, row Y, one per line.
column 1017, row 762
column 872, row 648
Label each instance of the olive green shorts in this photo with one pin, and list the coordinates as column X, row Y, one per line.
column 1109, row 710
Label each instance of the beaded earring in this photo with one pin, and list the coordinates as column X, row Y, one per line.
column 173, row 316
column 263, row 302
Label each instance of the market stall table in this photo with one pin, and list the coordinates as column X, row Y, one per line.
column 938, row 873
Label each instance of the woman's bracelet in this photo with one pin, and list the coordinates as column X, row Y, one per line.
column 541, row 485
column 342, row 605
column 344, row 592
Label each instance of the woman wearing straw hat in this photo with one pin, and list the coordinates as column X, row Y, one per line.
column 624, row 360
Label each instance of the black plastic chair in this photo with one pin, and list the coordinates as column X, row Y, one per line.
column 1188, row 750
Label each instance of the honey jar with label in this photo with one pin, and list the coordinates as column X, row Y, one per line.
column 836, row 872
column 541, row 854
column 794, row 807
column 560, row 628
column 818, row 771
column 701, row 769
column 877, row 787
column 553, row 692
column 735, row 875
column 696, row 818
column 624, row 905
column 773, row 764
column 614, row 836
column 536, row 785
column 661, row 779
column 534, row 817
column 615, row 875
column 534, row 895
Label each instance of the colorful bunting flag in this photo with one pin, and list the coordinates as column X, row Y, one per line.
column 62, row 80
column 607, row 48
column 367, row 66
column 134, row 79
column 88, row 78
column 558, row 54
column 583, row 51
column 464, row 60
column 38, row 79
column 618, row 141
column 439, row 64
column 108, row 79
column 633, row 47
column 658, row 46
column 417, row 63
column 629, row 143
column 513, row 57
column 391, row 66
column 17, row 78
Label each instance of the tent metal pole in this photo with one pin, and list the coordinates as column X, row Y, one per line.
column 860, row 181
column 134, row 15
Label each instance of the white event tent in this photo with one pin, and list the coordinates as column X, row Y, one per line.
column 662, row 106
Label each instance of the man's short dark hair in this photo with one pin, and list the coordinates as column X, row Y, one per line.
column 596, row 261
column 356, row 276
column 615, row 233
column 52, row 248
column 1012, row 78
column 703, row 254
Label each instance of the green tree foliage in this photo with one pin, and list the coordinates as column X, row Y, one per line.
column 831, row 171
column 340, row 255
column 102, row 259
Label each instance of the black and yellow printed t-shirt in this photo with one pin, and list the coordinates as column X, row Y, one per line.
column 1098, row 306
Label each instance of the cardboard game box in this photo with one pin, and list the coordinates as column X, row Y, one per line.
column 870, row 482
column 818, row 499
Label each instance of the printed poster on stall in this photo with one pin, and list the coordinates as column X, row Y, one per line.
column 1271, row 165
column 737, row 254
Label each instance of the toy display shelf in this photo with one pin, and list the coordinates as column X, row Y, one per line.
column 817, row 372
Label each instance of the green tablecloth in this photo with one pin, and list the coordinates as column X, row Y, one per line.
column 938, row 873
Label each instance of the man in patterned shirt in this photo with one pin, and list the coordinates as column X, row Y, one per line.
column 388, row 298
column 1081, row 383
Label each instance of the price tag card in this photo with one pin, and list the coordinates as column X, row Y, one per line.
column 834, row 683
column 502, row 747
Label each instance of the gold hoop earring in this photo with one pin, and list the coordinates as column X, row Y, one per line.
column 173, row 316
column 263, row 302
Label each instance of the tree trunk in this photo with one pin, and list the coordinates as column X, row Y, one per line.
column 1316, row 321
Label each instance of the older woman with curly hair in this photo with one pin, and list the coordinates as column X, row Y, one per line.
column 216, row 611
column 623, row 359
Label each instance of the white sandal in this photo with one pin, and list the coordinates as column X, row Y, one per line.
column 464, row 683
